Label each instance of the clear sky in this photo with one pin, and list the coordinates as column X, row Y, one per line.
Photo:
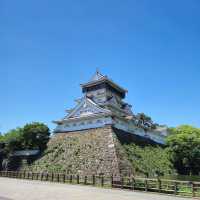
column 48, row 47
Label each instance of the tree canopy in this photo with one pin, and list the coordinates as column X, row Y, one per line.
column 184, row 146
column 145, row 122
column 35, row 135
column 32, row 136
column 12, row 140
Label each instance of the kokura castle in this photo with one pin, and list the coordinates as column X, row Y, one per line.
column 90, row 138
column 103, row 104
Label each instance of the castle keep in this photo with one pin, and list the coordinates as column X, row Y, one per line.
column 102, row 104
column 89, row 139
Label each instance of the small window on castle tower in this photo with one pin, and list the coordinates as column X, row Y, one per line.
column 99, row 121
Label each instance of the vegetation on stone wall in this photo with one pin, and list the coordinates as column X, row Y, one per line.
column 149, row 161
column 181, row 154
column 93, row 151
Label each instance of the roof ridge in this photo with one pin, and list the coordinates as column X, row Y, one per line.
column 97, row 76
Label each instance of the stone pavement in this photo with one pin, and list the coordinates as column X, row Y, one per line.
column 15, row 189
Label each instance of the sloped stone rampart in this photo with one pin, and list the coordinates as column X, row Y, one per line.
column 93, row 151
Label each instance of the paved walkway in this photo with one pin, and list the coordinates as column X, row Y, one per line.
column 15, row 189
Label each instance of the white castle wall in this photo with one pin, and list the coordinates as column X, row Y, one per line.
column 155, row 135
column 84, row 124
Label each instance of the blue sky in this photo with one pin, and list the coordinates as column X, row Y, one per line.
column 47, row 48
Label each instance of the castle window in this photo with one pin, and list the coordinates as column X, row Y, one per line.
column 99, row 121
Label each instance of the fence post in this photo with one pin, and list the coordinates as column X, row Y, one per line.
column 52, row 176
column 175, row 188
column 146, row 185
column 133, row 183
column 93, row 179
column 122, row 182
column 42, row 176
column 37, row 175
column 47, row 176
column 193, row 189
column 70, row 178
column 63, row 178
column 77, row 178
column 102, row 181
column 85, row 180
column 20, row 175
column 112, row 181
column 57, row 177
column 159, row 185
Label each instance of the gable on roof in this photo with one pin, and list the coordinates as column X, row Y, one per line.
column 85, row 108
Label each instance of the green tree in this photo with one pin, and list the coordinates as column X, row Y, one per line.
column 1, row 138
column 35, row 135
column 184, row 146
column 144, row 121
column 12, row 140
column 150, row 161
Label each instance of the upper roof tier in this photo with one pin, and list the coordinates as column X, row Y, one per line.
column 98, row 79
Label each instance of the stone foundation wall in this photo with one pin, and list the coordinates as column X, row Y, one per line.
column 93, row 151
